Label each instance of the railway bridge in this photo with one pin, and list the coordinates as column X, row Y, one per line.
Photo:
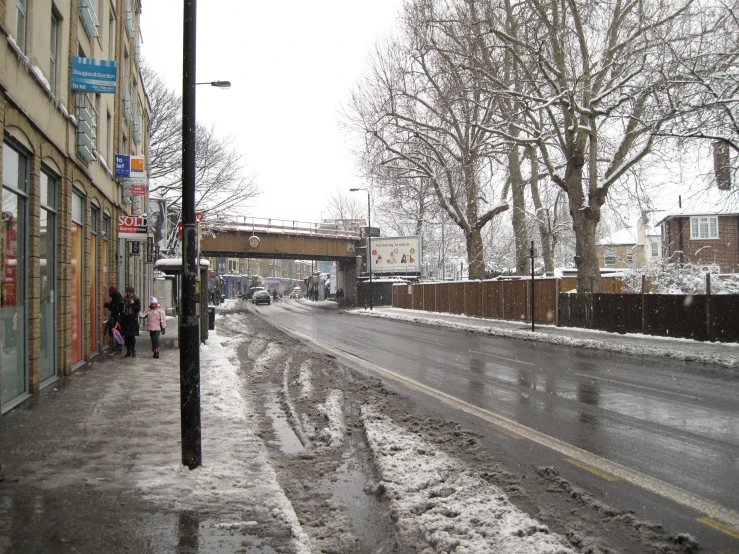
column 275, row 238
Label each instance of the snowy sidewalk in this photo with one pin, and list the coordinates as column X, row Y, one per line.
column 722, row 354
column 93, row 464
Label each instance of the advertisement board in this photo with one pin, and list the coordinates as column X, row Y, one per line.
column 91, row 75
column 395, row 255
column 133, row 227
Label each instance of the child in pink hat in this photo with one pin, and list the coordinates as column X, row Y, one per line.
column 156, row 323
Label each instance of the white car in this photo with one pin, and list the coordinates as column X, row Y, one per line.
column 296, row 293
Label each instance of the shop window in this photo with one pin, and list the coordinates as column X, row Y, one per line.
column 47, row 272
column 77, row 276
column 14, row 380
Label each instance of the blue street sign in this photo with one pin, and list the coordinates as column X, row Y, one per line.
column 91, row 75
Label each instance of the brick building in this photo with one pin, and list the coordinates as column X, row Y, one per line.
column 703, row 230
column 61, row 201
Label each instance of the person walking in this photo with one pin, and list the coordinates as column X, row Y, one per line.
column 130, row 321
column 115, row 307
column 156, row 323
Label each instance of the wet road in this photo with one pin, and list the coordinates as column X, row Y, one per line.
column 674, row 421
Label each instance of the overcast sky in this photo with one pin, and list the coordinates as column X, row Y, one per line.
column 292, row 65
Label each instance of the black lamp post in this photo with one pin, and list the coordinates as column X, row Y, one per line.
column 189, row 323
column 369, row 242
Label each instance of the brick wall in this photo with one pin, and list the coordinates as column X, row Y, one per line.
column 723, row 251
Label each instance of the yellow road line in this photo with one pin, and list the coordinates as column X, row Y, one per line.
column 506, row 431
column 713, row 510
column 731, row 531
column 591, row 469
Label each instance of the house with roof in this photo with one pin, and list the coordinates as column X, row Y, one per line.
column 633, row 246
column 703, row 229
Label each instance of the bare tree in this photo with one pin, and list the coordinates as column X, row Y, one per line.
column 223, row 189
column 343, row 205
column 606, row 77
column 424, row 117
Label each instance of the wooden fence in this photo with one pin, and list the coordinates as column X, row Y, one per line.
column 700, row 317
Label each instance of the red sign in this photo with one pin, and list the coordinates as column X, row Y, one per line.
column 198, row 219
column 132, row 227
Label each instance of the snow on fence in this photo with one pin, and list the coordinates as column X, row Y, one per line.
column 694, row 316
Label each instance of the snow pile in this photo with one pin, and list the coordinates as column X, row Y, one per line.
column 266, row 359
column 227, row 480
column 636, row 350
column 434, row 498
column 304, row 379
column 333, row 411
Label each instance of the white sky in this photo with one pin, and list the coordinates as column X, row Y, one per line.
column 292, row 65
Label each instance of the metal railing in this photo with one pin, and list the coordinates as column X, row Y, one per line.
column 270, row 225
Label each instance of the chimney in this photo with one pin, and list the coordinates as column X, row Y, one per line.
column 722, row 164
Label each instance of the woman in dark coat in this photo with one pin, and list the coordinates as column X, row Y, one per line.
column 130, row 321
column 115, row 306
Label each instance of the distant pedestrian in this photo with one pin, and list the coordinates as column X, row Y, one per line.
column 130, row 321
column 115, row 307
column 156, row 323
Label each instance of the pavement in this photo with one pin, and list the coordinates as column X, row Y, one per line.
column 93, row 462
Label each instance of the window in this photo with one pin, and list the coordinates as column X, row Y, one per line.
column 704, row 227
column 47, row 272
column 609, row 259
column 87, row 122
column 655, row 249
column 89, row 18
column 14, row 383
column 53, row 51
column 129, row 19
column 629, row 257
column 77, row 273
column 20, row 24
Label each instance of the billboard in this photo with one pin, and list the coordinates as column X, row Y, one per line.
column 395, row 255
column 91, row 75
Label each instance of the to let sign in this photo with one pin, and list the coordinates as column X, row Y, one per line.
column 133, row 227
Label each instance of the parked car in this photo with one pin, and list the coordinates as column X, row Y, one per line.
column 251, row 291
column 296, row 293
column 261, row 297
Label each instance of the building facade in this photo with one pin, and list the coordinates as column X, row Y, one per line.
column 60, row 199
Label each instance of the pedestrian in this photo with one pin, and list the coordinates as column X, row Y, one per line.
column 130, row 321
column 156, row 323
column 115, row 307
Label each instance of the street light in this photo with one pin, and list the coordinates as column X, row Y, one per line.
column 369, row 241
column 217, row 84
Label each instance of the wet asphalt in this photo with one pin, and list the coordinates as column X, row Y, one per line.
column 675, row 421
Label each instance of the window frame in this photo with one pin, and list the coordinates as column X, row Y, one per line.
column 21, row 24
column 53, row 51
column 712, row 227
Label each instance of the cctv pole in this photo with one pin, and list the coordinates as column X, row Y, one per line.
column 189, row 323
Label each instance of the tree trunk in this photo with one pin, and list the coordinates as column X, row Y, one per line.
column 474, row 254
column 542, row 216
column 584, row 222
column 518, row 215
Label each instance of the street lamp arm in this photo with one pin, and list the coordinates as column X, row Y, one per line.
column 217, row 84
